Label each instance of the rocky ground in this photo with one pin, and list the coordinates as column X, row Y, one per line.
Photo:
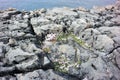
column 30, row 50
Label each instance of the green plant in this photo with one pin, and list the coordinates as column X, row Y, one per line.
column 80, row 42
column 64, row 36
column 57, row 67
column 46, row 50
column 79, row 62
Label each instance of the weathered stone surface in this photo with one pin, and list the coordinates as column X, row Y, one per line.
column 96, row 67
column 9, row 77
column 68, row 50
column 26, row 50
column 64, row 11
column 110, row 31
column 17, row 55
column 116, row 20
column 42, row 75
column 49, row 27
column 39, row 21
column 89, row 36
column 103, row 43
column 117, row 39
column 8, row 14
column 118, row 60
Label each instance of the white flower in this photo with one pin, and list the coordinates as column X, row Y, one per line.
column 51, row 37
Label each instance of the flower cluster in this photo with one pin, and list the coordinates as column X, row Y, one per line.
column 51, row 37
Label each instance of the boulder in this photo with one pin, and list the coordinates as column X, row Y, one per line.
column 44, row 75
column 80, row 25
column 17, row 26
column 2, row 50
column 89, row 35
column 64, row 11
column 67, row 50
column 109, row 23
column 26, row 16
column 103, row 43
column 49, row 27
column 17, row 55
column 39, row 21
column 8, row 14
column 31, row 64
column 43, row 10
column 95, row 68
column 30, row 47
column 110, row 31
column 9, row 77
column 118, row 60
column 117, row 40
column 116, row 20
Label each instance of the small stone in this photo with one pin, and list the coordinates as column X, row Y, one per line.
column 26, row 16
column 12, row 42
column 43, row 10
column 46, row 61
column 11, row 9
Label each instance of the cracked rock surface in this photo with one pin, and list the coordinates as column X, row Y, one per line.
column 26, row 54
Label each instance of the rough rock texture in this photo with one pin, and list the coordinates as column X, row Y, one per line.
column 90, row 50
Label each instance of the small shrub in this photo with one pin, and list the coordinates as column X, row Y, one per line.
column 57, row 67
column 46, row 50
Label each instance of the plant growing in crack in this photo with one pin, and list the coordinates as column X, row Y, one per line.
column 65, row 36
column 62, row 64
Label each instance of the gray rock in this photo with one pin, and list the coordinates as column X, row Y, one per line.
column 114, row 70
column 98, row 28
column 1, row 64
column 9, row 77
column 26, row 16
column 95, row 69
column 39, row 21
column 110, row 31
column 31, row 64
column 8, row 14
column 30, row 47
column 116, row 20
column 5, row 16
column 2, row 50
column 49, row 27
column 118, row 49
column 43, row 10
column 109, row 23
column 46, row 61
column 98, row 24
column 25, row 61
column 78, row 25
column 12, row 42
column 68, row 50
column 44, row 75
column 19, row 17
column 118, row 60
column 89, row 36
column 29, row 76
column 17, row 55
column 64, row 11
column 6, row 70
column 17, row 26
column 117, row 40
column 103, row 43
column 13, row 27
